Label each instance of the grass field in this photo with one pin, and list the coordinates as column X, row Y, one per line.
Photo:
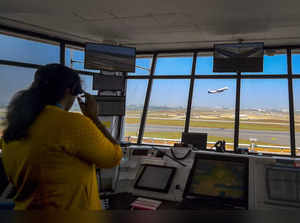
column 210, row 124
column 249, row 120
column 177, row 135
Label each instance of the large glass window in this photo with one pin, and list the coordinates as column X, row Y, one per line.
column 28, row 51
column 213, row 110
column 142, row 66
column 296, row 61
column 264, row 116
column 87, row 85
column 12, row 79
column 205, row 65
column 179, row 65
column 296, row 85
column 167, row 111
column 275, row 62
column 75, row 59
column 135, row 98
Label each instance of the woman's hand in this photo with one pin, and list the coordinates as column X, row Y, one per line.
column 89, row 108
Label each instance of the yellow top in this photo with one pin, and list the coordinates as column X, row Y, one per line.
column 55, row 166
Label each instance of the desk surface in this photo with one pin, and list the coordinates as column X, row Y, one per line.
column 122, row 201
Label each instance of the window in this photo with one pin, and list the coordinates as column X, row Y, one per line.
column 264, row 115
column 142, row 66
column 296, row 85
column 274, row 63
column 75, row 60
column 135, row 98
column 167, row 111
column 296, row 62
column 205, row 64
column 87, row 85
column 179, row 65
column 28, row 51
column 12, row 79
column 213, row 110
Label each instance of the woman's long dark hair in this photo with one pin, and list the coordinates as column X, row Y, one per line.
column 48, row 88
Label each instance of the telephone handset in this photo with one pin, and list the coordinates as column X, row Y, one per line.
column 220, row 146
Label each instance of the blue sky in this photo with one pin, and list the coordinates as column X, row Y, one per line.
column 263, row 93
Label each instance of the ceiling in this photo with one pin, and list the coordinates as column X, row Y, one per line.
column 158, row 24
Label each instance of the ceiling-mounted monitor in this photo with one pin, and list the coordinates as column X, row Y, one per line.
column 240, row 57
column 109, row 57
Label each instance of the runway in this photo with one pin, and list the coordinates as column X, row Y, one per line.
column 276, row 137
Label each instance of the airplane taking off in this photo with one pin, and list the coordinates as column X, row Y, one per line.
column 218, row 90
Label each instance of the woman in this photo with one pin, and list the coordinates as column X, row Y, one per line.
column 50, row 154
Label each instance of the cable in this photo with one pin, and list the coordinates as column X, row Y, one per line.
column 165, row 154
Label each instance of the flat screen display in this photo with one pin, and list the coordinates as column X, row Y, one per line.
column 108, row 83
column 244, row 57
column 198, row 140
column 221, row 177
column 110, row 105
column 155, row 178
column 109, row 57
column 283, row 184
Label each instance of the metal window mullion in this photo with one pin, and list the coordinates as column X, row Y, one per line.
column 291, row 103
column 237, row 112
column 19, row 64
column 147, row 100
column 62, row 53
column 191, row 91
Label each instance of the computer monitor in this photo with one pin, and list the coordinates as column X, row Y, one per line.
column 198, row 140
column 110, row 105
column 108, row 83
column 238, row 57
column 109, row 57
column 155, row 178
column 282, row 184
column 219, row 178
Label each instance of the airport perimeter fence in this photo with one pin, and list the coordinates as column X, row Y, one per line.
column 252, row 147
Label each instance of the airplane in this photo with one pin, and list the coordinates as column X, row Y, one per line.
column 218, row 90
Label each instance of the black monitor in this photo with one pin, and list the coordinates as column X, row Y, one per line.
column 282, row 184
column 108, row 82
column 110, row 105
column 241, row 57
column 155, row 178
column 109, row 57
column 219, row 178
column 198, row 140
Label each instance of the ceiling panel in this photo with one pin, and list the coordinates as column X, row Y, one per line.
column 157, row 24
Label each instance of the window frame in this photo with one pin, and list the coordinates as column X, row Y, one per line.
column 10, row 31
